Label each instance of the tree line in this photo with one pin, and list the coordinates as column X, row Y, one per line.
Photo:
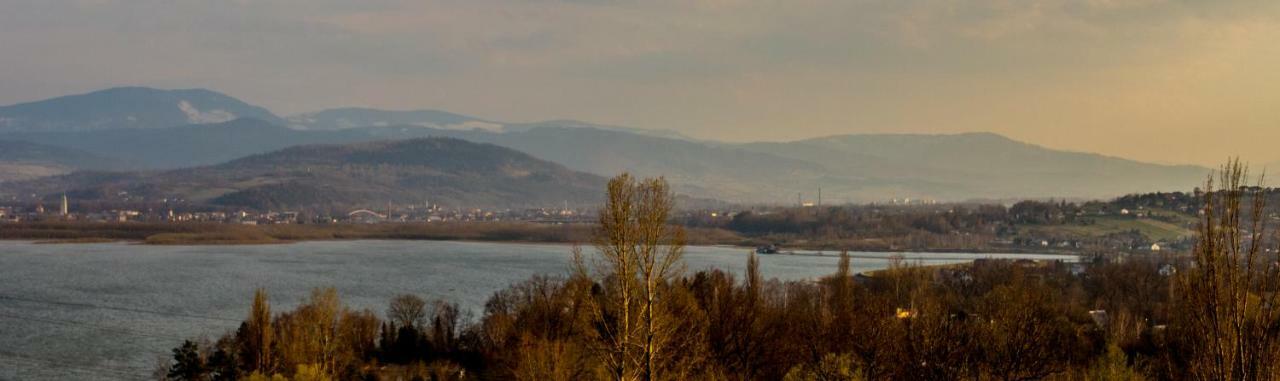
column 961, row 226
column 630, row 312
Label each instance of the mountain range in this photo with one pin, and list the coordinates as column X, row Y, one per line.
column 161, row 135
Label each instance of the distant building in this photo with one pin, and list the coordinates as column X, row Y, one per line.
column 1155, row 247
column 65, row 208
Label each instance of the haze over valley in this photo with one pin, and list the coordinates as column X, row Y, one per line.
column 157, row 131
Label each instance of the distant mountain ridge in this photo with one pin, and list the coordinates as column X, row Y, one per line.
column 128, row 107
column 355, row 117
column 978, row 165
column 847, row 168
column 358, row 117
column 438, row 170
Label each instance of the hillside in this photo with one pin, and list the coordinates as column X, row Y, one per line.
column 128, row 107
column 698, row 169
column 854, row 168
column 186, row 145
column 978, row 165
column 24, row 160
column 440, row 170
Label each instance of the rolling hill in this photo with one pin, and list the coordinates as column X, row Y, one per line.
column 975, row 165
column 855, row 168
column 21, row 160
column 186, row 145
column 128, row 107
column 440, row 170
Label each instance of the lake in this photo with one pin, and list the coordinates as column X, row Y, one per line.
column 110, row 311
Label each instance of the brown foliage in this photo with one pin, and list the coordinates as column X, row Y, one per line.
column 1227, row 328
column 637, row 317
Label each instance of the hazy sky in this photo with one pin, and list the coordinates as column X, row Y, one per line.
column 1168, row 81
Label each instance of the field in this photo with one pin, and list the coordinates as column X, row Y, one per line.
column 1156, row 230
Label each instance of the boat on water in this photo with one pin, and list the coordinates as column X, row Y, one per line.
column 767, row 249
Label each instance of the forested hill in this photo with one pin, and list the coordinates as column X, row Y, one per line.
column 127, row 107
column 439, row 170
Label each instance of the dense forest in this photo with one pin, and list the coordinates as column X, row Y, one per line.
column 629, row 313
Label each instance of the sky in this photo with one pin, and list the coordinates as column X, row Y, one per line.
column 1166, row 81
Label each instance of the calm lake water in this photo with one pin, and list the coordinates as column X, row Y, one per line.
column 110, row 311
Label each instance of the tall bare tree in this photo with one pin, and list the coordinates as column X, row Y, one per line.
column 1227, row 302
column 308, row 336
column 639, row 253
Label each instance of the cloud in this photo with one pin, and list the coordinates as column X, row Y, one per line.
column 195, row 116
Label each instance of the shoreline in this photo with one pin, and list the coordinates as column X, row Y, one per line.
column 745, row 249
column 212, row 234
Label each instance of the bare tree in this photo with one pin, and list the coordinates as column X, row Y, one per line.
column 1227, row 302
column 639, row 254
column 615, row 241
column 309, row 335
column 549, row 360
column 407, row 311
column 446, row 324
column 659, row 251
